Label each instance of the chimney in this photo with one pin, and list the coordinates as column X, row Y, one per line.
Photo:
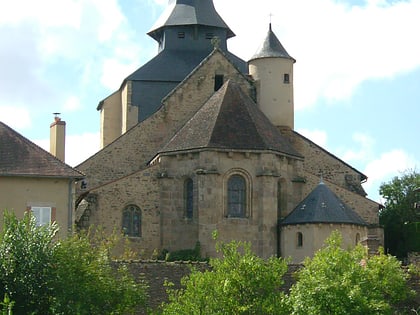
column 57, row 137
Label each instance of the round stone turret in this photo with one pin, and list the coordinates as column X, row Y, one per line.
column 272, row 69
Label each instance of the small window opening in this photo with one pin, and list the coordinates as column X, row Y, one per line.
column 209, row 35
column 189, row 198
column 286, row 78
column 218, row 81
column 357, row 238
column 181, row 34
column 299, row 241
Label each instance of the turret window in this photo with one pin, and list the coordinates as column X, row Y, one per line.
column 286, row 78
column 299, row 239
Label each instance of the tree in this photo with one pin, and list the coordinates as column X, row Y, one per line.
column 238, row 283
column 40, row 274
column 27, row 263
column 338, row 281
column 400, row 219
column 88, row 283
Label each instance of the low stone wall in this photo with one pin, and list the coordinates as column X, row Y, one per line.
column 156, row 273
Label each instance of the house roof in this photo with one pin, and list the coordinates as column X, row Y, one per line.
column 189, row 12
column 271, row 48
column 230, row 120
column 21, row 157
column 322, row 206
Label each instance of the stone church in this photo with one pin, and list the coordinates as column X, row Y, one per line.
column 198, row 140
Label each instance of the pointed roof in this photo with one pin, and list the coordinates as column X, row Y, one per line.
column 21, row 157
column 322, row 206
column 189, row 12
column 230, row 120
column 271, row 48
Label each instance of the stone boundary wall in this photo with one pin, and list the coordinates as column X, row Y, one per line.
column 156, row 273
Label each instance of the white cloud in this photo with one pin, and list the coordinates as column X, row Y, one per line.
column 385, row 167
column 72, row 104
column 337, row 46
column 317, row 136
column 365, row 151
column 15, row 117
column 78, row 147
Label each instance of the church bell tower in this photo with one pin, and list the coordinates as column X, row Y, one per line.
column 272, row 69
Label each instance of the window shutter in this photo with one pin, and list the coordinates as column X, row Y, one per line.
column 53, row 214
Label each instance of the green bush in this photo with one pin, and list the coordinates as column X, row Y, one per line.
column 42, row 275
column 27, row 263
column 338, row 281
column 87, row 283
column 238, row 283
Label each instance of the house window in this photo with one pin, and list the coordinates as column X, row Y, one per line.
column 218, row 81
column 209, row 35
column 299, row 239
column 43, row 215
column 131, row 223
column 181, row 34
column 236, row 196
column 189, row 198
column 286, row 78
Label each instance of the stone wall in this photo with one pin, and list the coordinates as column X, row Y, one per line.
column 156, row 273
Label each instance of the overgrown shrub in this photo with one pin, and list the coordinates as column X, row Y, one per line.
column 338, row 281
column 42, row 275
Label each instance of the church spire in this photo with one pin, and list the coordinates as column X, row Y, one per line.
column 271, row 48
column 189, row 12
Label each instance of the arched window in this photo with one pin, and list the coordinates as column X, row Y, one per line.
column 131, row 222
column 299, row 239
column 357, row 238
column 236, row 196
column 189, row 198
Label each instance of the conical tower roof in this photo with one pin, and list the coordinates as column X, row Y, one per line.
column 271, row 48
column 230, row 120
column 323, row 206
column 189, row 12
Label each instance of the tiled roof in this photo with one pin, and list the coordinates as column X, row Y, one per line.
column 190, row 12
column 271, row 48
column 230, row 120
column 21, row 157
column 323, row 206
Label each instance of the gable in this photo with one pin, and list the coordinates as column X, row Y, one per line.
column 133, row 150
column 21, row 157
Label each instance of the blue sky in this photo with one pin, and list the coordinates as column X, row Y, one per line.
column 357, row 75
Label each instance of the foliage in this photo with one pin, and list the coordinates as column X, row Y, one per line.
column 87, row 283
column 42, row 275
column 183, row 254
column 26, row 263
column 338, row 281
column 6, row 306
column 238, row 283
column 399, row 217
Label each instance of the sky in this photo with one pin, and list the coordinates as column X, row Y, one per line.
column 356, row 79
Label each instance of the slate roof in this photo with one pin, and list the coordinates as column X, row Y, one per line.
column 322, row 206
column 189, row 12
column 271, row 48
column 230, row 120
column 21, row 157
